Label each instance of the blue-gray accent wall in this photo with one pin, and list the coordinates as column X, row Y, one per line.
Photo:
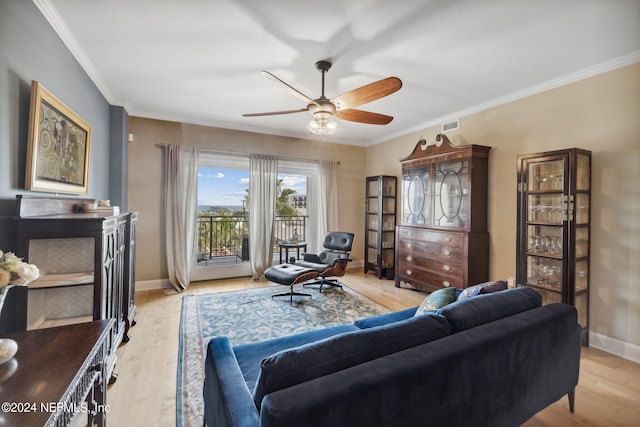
column 30, row 49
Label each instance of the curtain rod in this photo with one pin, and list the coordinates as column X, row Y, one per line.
column 237, row 153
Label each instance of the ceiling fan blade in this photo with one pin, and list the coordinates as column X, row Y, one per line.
column 367, row 93
column 275, row 113
column 360, row 116
column 295, row 92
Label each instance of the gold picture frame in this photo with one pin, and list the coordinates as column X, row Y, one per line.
column 59, row 144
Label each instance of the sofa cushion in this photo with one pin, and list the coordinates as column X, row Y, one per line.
column 384, row 319
column 435, row 300
column 250, row 355
column 313, row 360
column 471, row 312
column 483, row 288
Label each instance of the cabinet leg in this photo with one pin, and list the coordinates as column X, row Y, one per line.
column 113, row 378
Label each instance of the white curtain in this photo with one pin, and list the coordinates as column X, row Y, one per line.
column 181, row 199
column 263, row 181
column 327, row 200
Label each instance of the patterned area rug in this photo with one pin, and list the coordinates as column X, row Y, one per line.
column 251, row 316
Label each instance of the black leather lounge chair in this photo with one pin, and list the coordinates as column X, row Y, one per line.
column 331, row 262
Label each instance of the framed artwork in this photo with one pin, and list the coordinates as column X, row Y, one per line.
column 59, row 145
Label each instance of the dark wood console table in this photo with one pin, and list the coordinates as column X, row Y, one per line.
column 58, row 373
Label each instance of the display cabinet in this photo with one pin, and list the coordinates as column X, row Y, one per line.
column 86, row 261
column 380, row 223
column 554, row 199
column 442, row 239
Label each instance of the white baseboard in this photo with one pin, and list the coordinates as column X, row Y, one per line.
column 615, row 346
column 148, row 285
column 356, row 263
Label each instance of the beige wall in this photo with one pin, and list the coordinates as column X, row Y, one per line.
column 601, row 114
column 146, row 177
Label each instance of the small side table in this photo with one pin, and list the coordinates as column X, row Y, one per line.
column 290, row 245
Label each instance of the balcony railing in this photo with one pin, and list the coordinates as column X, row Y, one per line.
column 228, row 236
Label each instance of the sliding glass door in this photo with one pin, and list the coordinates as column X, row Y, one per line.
column 223, row 195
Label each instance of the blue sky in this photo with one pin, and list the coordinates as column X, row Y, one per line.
column 227, row 187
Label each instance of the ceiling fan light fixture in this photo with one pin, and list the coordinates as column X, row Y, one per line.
column 322, row 123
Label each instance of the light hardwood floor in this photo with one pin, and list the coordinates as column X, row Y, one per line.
column 145, row 393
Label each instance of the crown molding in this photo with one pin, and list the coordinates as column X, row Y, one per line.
column 585, row 73
column 53, row 17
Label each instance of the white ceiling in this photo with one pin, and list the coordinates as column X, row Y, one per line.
column 199, row 61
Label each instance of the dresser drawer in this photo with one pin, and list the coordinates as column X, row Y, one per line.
column 413, row 249
column 418, row 276
column 431, row 236
column 451, row 266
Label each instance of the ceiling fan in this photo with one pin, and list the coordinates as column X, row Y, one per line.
column 325, row 111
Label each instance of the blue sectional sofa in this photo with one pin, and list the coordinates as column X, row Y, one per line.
column 491, row 360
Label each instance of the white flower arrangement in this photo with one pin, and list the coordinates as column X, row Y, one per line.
column 14, row 272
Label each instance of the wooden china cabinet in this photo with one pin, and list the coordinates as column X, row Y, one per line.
column 554, row 199
column 442, row 239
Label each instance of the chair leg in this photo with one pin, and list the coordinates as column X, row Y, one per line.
column 329, row 282
column 291, row 294
column 332, row 283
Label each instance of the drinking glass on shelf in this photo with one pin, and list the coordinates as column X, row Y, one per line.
column 536, row 213
column 555, row 182
column 543, row 215
column 534, row 244
column 555, row 274
column 542, row 273
column 542, row 181
column 555, row 245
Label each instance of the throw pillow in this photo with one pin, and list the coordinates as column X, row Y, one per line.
column 482, row 288
column 436, row 300
column 471, row 312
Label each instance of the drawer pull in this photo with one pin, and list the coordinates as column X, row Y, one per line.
column 447, row 239
column 409, row 272
column 409, row 258
column 446, row 284
column 446, row 267
column 446, row 252
column 409, row 246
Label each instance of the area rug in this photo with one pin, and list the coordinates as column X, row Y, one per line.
column 251, row 316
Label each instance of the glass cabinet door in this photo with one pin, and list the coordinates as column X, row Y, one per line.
column 416, row 201
column 544, row 234
column 451, row 194
column 553, row 229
